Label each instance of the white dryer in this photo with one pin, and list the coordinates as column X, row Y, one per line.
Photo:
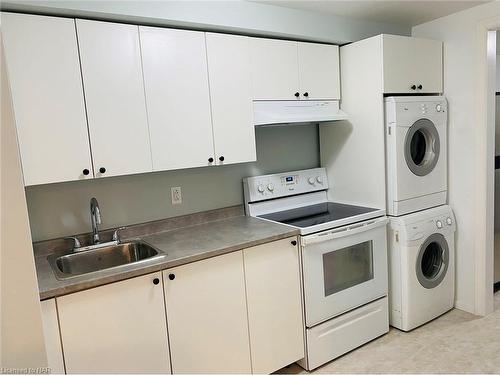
column 416, row 153
column 421, row 266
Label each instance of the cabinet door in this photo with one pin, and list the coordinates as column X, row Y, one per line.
column 230, row 77
column 116, row 328
column 319, row 74
column 399, row 64
column 114, row 93
column 207, row 316
column 47, row 95
column 52, row 338
column 275, row 322
column 429, row 65
column 274, row 69
column 178, row 99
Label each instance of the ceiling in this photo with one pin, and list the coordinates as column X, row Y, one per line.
column 403, row 12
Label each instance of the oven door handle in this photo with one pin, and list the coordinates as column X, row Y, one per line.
column 346, row 231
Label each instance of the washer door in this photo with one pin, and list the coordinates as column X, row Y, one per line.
column 432, row 261
column 422, row 147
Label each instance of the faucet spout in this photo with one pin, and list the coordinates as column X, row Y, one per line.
column 95, row 218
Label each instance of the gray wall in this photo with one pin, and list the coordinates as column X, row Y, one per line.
column 228, row 16
column 62, row 209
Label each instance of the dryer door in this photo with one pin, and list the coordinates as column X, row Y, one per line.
column 422, row 146
column 432, row 261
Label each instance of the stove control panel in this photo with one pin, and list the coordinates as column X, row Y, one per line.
column 286, row 184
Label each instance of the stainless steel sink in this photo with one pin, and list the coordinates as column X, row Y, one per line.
column 103, row 258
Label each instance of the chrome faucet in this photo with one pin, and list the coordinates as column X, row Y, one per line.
column 95, row 218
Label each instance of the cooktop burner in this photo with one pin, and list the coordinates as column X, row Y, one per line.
column 308, row 216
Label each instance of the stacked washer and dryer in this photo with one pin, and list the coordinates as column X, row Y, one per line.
column 421, row 227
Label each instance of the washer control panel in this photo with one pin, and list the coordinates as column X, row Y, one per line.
column 441, row 224
column 279, row 185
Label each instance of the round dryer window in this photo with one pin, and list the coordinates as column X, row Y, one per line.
column 432, row 261
column 422, row 147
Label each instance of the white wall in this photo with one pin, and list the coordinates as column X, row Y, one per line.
column 467, row 174
column 21, row 338
column 229, row 16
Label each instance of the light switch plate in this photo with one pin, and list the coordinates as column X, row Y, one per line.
column 176, row 195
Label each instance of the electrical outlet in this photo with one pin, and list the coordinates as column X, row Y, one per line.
column 176, row 195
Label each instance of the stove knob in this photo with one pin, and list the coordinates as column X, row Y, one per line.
column 439, row 224
column 260, row 188
column 449, row 221
column 311, row 180
column 319, row 179
column 270, row 187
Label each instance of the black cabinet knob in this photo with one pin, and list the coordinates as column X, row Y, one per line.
column 156, row 281
column 413, row 87
column 221, row 158
column 102, row 170
column 306, row 94
column 171, row 276
column 210, row 160
column 297, row 94
column 86, row 172
column 419, row 87
column 294, row 243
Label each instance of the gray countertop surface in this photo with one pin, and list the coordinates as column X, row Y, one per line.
column 182, row 246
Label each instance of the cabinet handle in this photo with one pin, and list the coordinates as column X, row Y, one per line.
column 102, row 170
column 221, row 158
column 86, row 172
column 210, row 160
column 297, row 94
column 294, row 243
column 306, row 94
column 413, row 87
column 156, row 281
column 419, row 87
column 171, row 276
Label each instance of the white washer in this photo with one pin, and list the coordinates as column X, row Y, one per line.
column 416, row 153
column 421, row 266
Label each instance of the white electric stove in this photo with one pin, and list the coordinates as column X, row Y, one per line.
column 344, row 259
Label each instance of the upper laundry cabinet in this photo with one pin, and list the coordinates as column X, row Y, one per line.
column 411, row 65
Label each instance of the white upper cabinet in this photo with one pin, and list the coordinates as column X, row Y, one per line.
column 114, row 92
column 207, row 316
column 47, row 96
column 274, row 69
column 288, row 70
column 319, row 76
column 118, row 328
column 230, row 77
column 178, row 98
column 412, row 65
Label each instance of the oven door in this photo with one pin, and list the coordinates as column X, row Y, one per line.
column 343, row 269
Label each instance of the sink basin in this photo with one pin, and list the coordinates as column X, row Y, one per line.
column 102, row 258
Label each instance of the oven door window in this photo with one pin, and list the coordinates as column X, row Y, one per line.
column 347, row 267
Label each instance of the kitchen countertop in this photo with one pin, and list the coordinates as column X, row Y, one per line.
column 182, row 246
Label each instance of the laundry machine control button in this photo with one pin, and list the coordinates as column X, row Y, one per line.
column 311, row 180
column 270, row 187
column 439, row 224
column 260, row 188
column 439, row 108
column 449, row 221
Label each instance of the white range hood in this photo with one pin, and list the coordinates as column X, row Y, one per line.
column 296, row 111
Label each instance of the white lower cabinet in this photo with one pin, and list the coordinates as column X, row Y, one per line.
column 207, row 316
column 52, row 338
column 272, row 275
column 116, row 328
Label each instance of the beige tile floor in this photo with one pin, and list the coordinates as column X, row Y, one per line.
column 456, row 342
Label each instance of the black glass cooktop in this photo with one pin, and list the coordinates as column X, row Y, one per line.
column 308, row 216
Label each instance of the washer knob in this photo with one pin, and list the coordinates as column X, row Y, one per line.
column 449, row 221
column 439, row 224
column 260, row 188
column 319, row 179
column 270, row 187
column 439, row 108
column 311, row 180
